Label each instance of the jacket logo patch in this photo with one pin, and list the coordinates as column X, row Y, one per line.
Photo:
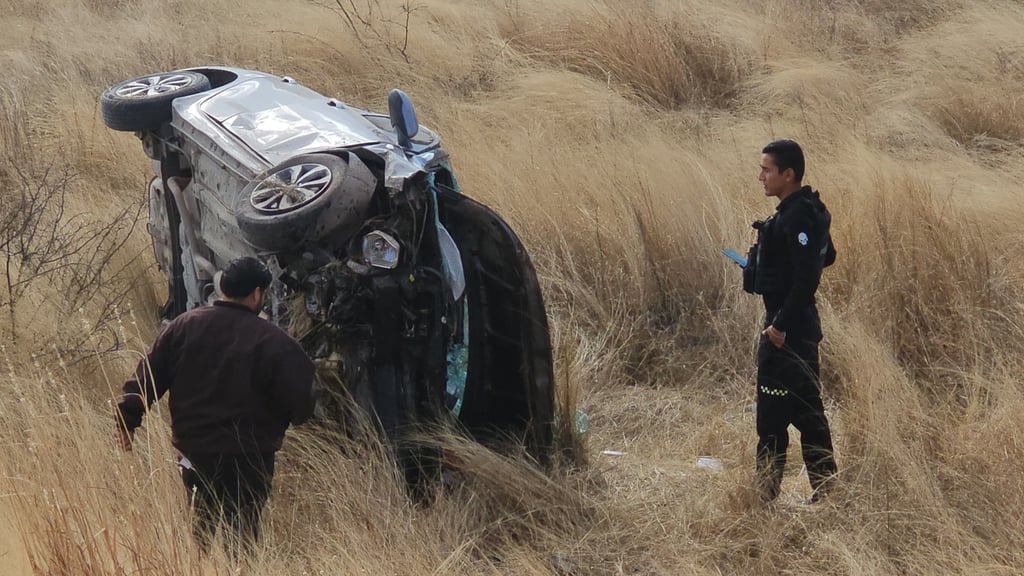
column 802, row 238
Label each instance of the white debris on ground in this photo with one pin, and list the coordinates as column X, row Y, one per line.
column 710, row 463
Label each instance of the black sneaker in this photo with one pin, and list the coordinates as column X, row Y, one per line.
column 821, row 493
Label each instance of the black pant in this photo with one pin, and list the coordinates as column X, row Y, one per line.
column 228, row 490
column 788, row 392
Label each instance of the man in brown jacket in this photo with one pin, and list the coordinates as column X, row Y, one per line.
column 236, row 382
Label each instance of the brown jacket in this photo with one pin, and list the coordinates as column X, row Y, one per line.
column 236, row 381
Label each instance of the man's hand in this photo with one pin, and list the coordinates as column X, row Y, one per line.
column 778, row 338
column 123, row 438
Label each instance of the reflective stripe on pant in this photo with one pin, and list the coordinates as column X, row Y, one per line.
column 788, row 392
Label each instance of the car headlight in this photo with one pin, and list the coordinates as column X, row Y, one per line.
column 380, row 250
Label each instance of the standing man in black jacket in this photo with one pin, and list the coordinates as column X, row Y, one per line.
column 236, row 382
column 794, row 245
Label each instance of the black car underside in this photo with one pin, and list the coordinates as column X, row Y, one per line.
column 384, row 338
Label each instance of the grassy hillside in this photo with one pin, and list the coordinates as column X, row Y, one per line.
column 621, row 140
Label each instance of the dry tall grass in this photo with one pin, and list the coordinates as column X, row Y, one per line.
column 621, row 141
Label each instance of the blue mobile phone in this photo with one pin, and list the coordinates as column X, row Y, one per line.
column 735, row 257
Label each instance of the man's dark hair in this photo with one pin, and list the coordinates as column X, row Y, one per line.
column 242, row 276
column 787, row 154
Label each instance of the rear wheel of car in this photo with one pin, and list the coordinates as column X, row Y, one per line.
column 144, row 103
column 305, row 199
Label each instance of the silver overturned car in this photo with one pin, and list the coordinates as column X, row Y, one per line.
column 416, row 302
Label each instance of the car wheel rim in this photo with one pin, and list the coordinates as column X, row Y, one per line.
column 290, row 188
column 154, row 86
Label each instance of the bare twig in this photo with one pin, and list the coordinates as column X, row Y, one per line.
column 372, row 27
column 43, row 243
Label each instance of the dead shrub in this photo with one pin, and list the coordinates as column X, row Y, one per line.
column 908, row 15
column 668, row 60
column 49, row 247
column 927, row 278
column 978, row 117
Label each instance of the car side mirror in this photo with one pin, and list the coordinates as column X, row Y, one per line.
column 403, row 117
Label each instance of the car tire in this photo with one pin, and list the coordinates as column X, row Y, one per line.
column 332, row 207
column 144, row 103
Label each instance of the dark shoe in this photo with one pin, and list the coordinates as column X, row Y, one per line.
column 769, row 483
column 813, row 500
column 821, row 492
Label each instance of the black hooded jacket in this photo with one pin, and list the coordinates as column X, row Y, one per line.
column 794, row 245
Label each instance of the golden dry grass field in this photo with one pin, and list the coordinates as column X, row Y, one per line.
column 621, row 139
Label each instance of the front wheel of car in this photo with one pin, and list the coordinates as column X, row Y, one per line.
column 144, row 103
column 305, row 199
